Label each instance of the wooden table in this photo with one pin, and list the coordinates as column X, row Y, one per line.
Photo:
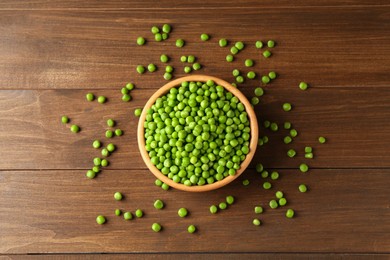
column 54, row 52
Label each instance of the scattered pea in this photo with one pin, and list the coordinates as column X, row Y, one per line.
column 155, row 30
column 222, row 205
column 259, row 44
column 109, row 133
column 258, row 209
column 259, row 92
column 270, row 44
column 127, row 215
column 104, row 163
column 291, row 153
column 167, row 76
column 293, row 133
column 303, row 85
column 265, row 79
column 166, row 28
column 251, row 75
column 322, row 140
column 230, row 199
column 139, row 213
column 233, row 50
column 256, row 222
column 223, row 42
column 290, row 213
column 229, row 58
column 287, row 125
column 140, row 40
column 140, row 69
column 255, row 100
column 287, row 107
column 213, row 209
column 164, row 58
column 180, row 43
column 64, row 119
column 118, row 212
column 303, row 167
column 273, row 204
column 97, row 161
column 264, row 174
column 274, row 176
column 239, row 45
column 204, row 37
column 100, row 220
column 96, row 169
column 102, row 99
column 110, row 122
column 248, row 63
column 302, row 188
column 75, row 128
column 118, row 196
column 287, row 139
column 267, row 185
column 118, row 132
column 187, row 69
column 259, row 167
column 90, row 174
column 196, row 66
column 165, row 186
column 282, row 202
column 267, row 54
column 111, row 147
column 309, row 155
column 158, row 37
column 272, row 75
column 191, row 229
column 156, row 227
column 152, row 67
column 279, row 194
column 137, row 112
column 274, row 127
column 182, row 212
column 158, row 204
column 90, row 97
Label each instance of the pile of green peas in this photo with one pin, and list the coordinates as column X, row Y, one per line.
column 198, row 133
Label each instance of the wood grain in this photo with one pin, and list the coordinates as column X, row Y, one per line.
column 166, row 4
column 54, row 212
column 356, row 128
column 340, row 46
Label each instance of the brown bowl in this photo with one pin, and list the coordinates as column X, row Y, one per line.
column 252, row 145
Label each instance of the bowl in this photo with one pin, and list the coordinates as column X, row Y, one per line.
column 218, row 184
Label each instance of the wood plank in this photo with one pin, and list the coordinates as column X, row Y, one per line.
column 265, row 256
column 166, row 4
column 341, row 46
column 355, row 121
column 344, row 211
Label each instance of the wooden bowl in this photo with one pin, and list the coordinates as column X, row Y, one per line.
column 253, row 139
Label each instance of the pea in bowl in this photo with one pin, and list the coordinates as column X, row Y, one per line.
column 197, row 133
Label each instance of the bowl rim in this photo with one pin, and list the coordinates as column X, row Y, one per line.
column 202, row 78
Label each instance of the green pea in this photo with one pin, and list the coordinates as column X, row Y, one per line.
column 308, row 149
column 105, row 152
column 229, row 58
column 90, row 174
column 272, row 75
column 187, row 69
column 273, row 204
column 156, row 227
column 167, row 76
column 90, row 97
column 164, row 58
column 266, row 123
column 287, row 125
column 128, row 215
column 290, row 213
column 245, row 182
column 96, row 169
column 256, row 222
column 204, row 37
column 126, row 98
column 265, row 79
column 229, row 199
column 309, row 155
column 97, row 161
column 109, row 133
column 303, row 85
column 255, row 100
column 267, row 54
column 267, row 185
column 110, row 122
column 274, row 127
column 64, row 119
column 155, row 30
column 322, row 140
column 270, row 44
column 182, row 212
column 251, row 75
column 130, row 86
column 118, row 132
column 259, row 92
column 259, row 44
column 191, row 59
column 293, row 133
column 223, row 42
column 239, row 45
column 282, row 202
column 111, row 147
column 258, row 209
column 287, row 139
column 274, row 175
column 152, row 67
column 191, row 229
column 196, row 66
column 303, row 167
column 279, row 194
column 140, row 69
column 118, row 196
column 222, row 205
column 75, row 128
column 100, row 220
column 138, row 112
column 104, row 163
column 180, row 43
column 158, row 204
column 140, row 40
column 213, row 209
column 287, row 107
column 158, row 182
column 291, row 153
column 302, row 188
column 165, row 186
column 124, row 91
column 166, row 28
column 139, row 213
column 158, row 37
column 233, row 50
column 102, row 99
column 118, row 212
column 248, row 63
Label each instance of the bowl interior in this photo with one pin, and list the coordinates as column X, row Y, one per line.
column 253, row 134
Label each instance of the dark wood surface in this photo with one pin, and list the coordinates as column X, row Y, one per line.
column 53, row 52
